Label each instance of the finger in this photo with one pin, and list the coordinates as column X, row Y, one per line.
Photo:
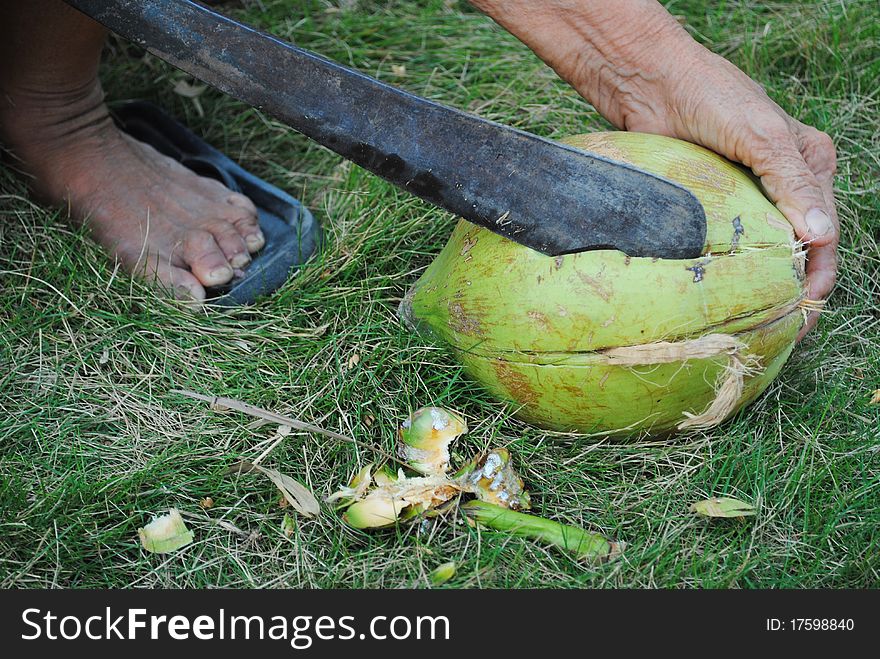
column 821, row 271
column 205, row 258
column 822, row 259
column 819, row 152
column 776, row 158
column 821, row 275
column 812, row 320
column 820, row 155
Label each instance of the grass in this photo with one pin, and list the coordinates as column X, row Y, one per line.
column 92, row 444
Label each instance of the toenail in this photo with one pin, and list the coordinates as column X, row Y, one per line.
column 239, row 260
column 239, row 200
column 255, row 240
column 186, row 294
column 221, row 274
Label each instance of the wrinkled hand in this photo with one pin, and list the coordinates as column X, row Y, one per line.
column 643, row 72
column 711, row 102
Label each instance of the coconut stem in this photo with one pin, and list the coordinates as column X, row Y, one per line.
column 583, row 544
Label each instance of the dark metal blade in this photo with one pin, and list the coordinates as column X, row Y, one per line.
column 544, row 195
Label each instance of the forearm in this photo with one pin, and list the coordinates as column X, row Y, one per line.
column 612, row 53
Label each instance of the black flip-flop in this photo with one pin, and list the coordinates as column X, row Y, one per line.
column 292, row 234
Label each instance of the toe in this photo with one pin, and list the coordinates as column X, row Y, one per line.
column 254, row 240
column 160, row 268
column 238, row 210
column 205, row 258
column 241, row 201
column 231, row 243
column 181, row 282
column 246, row 221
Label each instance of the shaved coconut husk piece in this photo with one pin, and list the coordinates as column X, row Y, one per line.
column 583, row 544
column 165, row 534
column 384, row 505
column 493, row 479
column 425, row 438
column 374, row 512
column 442, row 573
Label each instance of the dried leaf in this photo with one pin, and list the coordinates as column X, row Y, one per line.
column 442, row 573
column 280, row 433
column 207, row 503
column 165, row 534
column 354, row 360
column 875, row 397
column 188, row 90
column 723, row 507
column 296, row 494
column 220, row 403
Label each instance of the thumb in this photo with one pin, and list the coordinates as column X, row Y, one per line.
column 793, row 187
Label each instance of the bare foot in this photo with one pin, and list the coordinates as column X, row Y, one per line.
column 161, row 220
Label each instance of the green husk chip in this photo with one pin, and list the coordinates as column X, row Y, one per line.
column 442, row 573
column 425, row 438
column 288, row 526
column 165, row 534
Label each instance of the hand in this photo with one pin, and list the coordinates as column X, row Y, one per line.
column 643, row 72
column 707, row 100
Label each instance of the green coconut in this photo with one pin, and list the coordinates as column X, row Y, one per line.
column 600, row 342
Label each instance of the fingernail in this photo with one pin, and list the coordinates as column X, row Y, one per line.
column 818, row 222
column 240, row 260
column 221, row 275
column 255, row 240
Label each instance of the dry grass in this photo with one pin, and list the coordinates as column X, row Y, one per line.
column 92, row 444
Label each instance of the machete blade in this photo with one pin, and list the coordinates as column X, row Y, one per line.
column 546, row 196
